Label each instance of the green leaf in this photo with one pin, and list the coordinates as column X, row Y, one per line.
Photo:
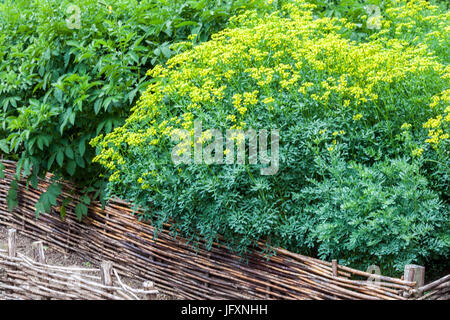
column 71, row 167
column 19, row 168
column 86, row 200
column 97, row 105
column 53, row 191
column 69, row 152
column 40, row 143
column 27, row 165
column 134, row 57
column 4, row 146
column 51, row 160
column 80, row 161
column 72, row 118
column 48, row 199
column 81, row 210
column 166, row 52
column 60, row 158
column 39, row 208
column 34, row 181
column 11, row 199
column 2, row 173
column 82, row 147
column 62, row 210
column 108, row 126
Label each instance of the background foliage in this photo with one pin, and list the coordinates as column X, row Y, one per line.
column 60, row 87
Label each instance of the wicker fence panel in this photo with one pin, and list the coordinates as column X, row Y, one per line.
column 115, row 234
column 22, row 278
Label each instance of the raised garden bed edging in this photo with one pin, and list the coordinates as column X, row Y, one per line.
column 176, row 268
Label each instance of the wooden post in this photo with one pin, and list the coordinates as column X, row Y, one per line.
column 335, row 267
column 105, row 273
column 415, row 273
column 12, row 252
column 148, row 286
column 39, row 257
column 268, row 294
column 38, row 251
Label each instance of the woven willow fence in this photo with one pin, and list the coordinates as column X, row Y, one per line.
column 177, row 269
column 24, row 278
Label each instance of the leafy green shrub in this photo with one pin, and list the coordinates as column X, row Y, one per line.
column 386, row 213
column 360, row 122
column 60, row 86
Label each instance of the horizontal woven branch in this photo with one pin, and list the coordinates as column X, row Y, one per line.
column 115, row 234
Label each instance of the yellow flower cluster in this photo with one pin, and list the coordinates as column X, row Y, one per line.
column 405, row 126
column 417, row 152
column 250, row 98
column 436, row 127
column 268, row 100
column 336, row 133
column 237, row 103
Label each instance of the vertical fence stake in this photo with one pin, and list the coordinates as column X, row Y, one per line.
column 12, row 243
column 415, row 273
column 38, row 251
column 39, row 257
column 12, row 252
column 335, row 267
column 148, row 285
column 105, row 273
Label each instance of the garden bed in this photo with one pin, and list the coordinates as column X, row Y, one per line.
column 177, row 268
column 354, row 97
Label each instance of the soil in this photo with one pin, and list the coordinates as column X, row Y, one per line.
column 55, row 257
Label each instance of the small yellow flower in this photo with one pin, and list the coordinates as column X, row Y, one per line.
column 405, row 126
column 250, row 98
column 231, row 117
column 417, row 152
column 109, row 10
column 357, row 117
column 268, row 100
